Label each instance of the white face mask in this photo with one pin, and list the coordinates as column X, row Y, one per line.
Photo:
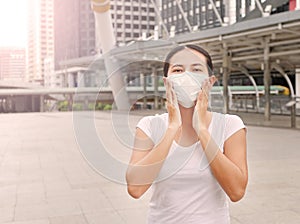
column 187, row 86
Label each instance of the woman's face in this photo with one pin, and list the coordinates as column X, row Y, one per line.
column 188, row 60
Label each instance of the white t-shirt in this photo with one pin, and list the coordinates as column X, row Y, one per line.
column 186, row 190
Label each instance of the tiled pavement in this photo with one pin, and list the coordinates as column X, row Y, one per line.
column 44, row 178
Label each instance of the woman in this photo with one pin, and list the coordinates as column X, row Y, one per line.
column 212, row 145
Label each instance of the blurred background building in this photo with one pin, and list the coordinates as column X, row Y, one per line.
column 182, row 16
column 75, row 34
column 12, row 63
column 75, row 31
column 187, row 16
column 40, row 47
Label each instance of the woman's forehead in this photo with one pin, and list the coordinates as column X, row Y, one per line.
column 188, row 57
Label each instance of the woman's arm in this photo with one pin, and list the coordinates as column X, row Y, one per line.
column 146, row 164
column 230, row 168
column 147, row 159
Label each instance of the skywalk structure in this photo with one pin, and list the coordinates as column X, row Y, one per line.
column 261, row 38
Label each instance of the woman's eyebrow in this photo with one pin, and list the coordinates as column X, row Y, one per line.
column 198, row 64
column 177, row 65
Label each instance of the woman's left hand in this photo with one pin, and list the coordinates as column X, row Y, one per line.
column 202, row 102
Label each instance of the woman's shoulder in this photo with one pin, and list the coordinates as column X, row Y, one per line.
column 227, row 119
column 226, row 124
column 233, row 123
column 154, row 126
column 155, row 118
column 233, row 119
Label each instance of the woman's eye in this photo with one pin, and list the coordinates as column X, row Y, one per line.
column 197, row 70
column 177, row 70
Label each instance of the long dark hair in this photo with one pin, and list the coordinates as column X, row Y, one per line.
column 190, row 46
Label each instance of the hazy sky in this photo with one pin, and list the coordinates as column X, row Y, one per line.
column 13, row 22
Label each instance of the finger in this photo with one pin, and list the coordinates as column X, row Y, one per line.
column 170, row 92
column 208, row 87
column 204, row 100
column 212, row 79
column 167, row 90
column 200, row 100
column 200, row 96
column 203, row 97
column 205, row 87
column 174, row 97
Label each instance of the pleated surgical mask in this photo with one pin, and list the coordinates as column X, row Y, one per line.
column 187, row 86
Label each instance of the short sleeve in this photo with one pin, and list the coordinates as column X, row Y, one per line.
column 154, row 126
column 233, row 124
column 145, row 125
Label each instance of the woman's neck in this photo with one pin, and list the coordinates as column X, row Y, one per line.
column 186, row 116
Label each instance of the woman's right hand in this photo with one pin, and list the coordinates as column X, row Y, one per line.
column 172, row 106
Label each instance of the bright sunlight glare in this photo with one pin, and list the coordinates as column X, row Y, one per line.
column 13, row 22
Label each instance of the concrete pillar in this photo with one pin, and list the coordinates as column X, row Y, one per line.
column 86, row 103
column 66, row 80
column 117, row 83
column 297, row 5
column 80, row 79
column 155, row 85
column 162, row 102
column 10, row 104
column 143, row 82
column 106, row 38
column 42, row 108
column 226, row 73
column 267, row 82
column 297, row 82
column 71, row 81
column 295, row 96
column 226, row 89
column 32, row 104
column 70, row 102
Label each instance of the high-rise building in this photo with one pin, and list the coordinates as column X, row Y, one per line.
column 40, row 47
column 181, row 16
column 250, row 9
column 12, row 63
column 133, row 19
column 75, row 32
column 87, row 36
column 66, row 29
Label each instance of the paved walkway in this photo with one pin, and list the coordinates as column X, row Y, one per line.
column 279, row 121
column 44, row 178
